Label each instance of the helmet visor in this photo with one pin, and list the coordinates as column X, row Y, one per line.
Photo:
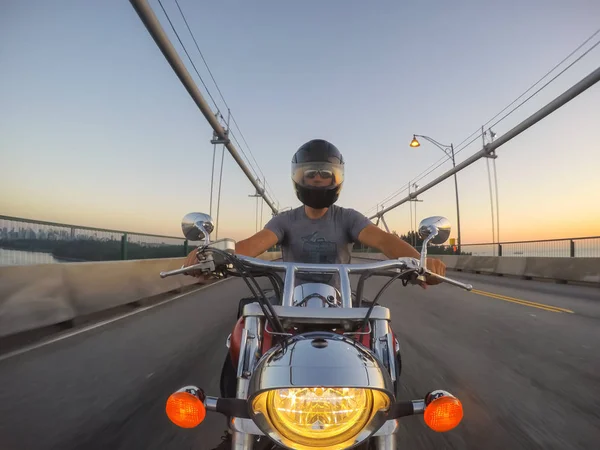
column 318, row 174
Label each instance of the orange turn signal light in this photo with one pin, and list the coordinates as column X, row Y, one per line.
column 185, row 410
column 443, row 414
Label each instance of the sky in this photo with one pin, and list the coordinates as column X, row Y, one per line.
column 97, row 130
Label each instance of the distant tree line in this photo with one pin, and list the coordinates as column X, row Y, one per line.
column 88, row 250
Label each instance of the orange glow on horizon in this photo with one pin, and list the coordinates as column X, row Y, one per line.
column 79, row 212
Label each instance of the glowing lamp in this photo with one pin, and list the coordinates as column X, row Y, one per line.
column 443, row 414
column 185, row 410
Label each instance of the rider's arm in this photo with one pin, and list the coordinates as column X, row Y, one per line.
column 257, row 244
column 387, row 243
column 253, row 247
column 273, row 233
column 393, row 247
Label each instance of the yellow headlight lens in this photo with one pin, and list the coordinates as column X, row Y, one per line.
column 319, row 418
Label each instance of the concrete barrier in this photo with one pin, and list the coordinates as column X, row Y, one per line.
column 483, row 264
column 511, row 266
column 564, row 269
column 585, row 270
column 47, row 294
column 451, row 261
column 37, row 296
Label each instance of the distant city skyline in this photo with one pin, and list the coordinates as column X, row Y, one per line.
column 34, row 231
column 100, row 132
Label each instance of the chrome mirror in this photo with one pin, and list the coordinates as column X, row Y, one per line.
column 197, row 227
column 436, row 228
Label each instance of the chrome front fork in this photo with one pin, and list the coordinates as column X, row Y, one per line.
column 385, row 442
column 385, row 349
column 249, row 351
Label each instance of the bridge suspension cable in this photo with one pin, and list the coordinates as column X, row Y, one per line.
column 155, row 29
column 223, row 98
column 478, row 133
column 490, row 148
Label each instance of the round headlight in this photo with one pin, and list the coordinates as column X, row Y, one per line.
column 319, row 417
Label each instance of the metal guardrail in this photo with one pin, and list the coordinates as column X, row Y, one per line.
column 581, row 247
column 432, row 250
column 26, row 241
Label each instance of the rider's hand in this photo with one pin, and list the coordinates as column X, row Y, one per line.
column 438, row 267
column 190, row 261
column 435, row 266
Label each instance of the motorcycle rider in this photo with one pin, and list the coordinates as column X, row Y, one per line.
column 317, row 232
column 320, row 231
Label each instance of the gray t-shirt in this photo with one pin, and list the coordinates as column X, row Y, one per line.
column 328, row 240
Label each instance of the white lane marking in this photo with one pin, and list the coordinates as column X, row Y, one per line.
column 101, row 324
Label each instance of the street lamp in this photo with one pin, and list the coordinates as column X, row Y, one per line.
column 449, row 151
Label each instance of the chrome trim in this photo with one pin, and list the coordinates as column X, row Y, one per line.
column 242, row 356
column 468, row 287
column 322, row 315
column 389, row 427
column 352, row 333
column 345, row 287
column 278, row 334
column 205, row 266
column 225, row 244
column 376, row 423
column 437, row 226
column 386, row 442
column 341, row 362
column 197, row 227
column 191, row 389
column 303, row 293
column 418, row 406
column 424, row 248
column 246, row 363
column 344, row 271
column 246, row 426
column 210, row 403
column 242, row 441
column 380, row 340
column 251, row 353
column 314, row 302
column 287, row 298
column 400, row 263
column 391, row 355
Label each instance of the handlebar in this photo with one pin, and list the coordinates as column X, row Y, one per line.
column 205, row 266
column 402, row 265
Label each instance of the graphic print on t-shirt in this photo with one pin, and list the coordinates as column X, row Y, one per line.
column 319, row 250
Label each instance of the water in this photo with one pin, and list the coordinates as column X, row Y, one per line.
column 21, row 258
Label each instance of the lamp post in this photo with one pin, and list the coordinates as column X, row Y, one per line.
column 449, row 151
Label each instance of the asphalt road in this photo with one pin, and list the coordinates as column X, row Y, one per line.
column 528, row 375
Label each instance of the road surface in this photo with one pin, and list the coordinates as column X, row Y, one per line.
column 528, row 374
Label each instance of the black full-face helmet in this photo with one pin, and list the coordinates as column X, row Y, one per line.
column 318, row 173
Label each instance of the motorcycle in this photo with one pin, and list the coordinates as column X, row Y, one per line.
column 316, row 367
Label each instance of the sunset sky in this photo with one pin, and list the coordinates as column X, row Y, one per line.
column 97, row 130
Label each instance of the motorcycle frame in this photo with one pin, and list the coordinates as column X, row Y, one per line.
column 382, row 339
